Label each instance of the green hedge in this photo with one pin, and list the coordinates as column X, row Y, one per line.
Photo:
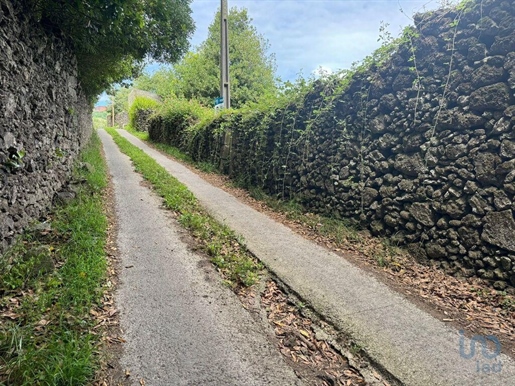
column 181, row 123
column 262, row 136
column 140, row 111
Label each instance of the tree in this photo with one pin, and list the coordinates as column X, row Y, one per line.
column 252, row 69
column 163, row 82
column 121, row 99
column 111, row 38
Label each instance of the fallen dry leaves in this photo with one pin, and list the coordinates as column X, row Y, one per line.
column 298, row 342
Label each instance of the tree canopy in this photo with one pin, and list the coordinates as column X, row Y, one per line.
column 163, row 82
column 111, row 38
column 251, row 71
column 197, row 75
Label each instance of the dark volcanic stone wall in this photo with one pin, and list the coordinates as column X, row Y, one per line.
column 420, row 149
column 431, row 151
column 44, row 119
column 429, row 158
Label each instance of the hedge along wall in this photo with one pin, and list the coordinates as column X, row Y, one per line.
column 420, row 148
column 141, row 105
column 44, row 119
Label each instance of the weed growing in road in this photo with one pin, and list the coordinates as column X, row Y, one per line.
column 49, row 282
column 217, row 240
column 356, row 349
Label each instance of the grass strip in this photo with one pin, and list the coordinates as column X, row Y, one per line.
column 143, row 135
column 49, row 281
column 225, row 248
column 340, row 231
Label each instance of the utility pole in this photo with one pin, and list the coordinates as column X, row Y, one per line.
column 112, row 111
column 225, row 90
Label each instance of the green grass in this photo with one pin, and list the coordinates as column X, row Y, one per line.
column 225, row 249
column 143, row 135
column 99, row 119
column 49, row 281
column 100, row 114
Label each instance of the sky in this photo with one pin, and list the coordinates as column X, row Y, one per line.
column 306, row 35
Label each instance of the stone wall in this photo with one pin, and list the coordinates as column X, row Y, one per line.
column 420, row 148
column 424, row 151
column 44, row 119
column 120, row 120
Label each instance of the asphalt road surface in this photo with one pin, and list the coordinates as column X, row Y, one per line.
column 181, row 325
column 412, row 345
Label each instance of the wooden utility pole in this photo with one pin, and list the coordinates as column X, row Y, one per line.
column 225, row 90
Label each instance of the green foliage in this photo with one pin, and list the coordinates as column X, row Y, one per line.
column 252, row 68
column 141, row 105
column 185, row 112
column 14, row 161
column 110, row 37
column 177, row 119
column 163, row 82
column 121, row 99
column 199, row 78
column 467, row 5
column 51, row 280
column 197, row 75
column 99, row 119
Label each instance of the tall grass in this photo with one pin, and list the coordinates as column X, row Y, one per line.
column 49, row 282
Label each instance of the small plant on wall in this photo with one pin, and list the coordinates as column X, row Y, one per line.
column 14, row 160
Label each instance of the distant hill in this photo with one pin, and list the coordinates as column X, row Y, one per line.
column 100, row 108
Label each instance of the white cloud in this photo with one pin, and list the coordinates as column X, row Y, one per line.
column 322, row 71
column 306, row 34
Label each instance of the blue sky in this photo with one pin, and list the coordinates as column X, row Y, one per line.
column 308, row 34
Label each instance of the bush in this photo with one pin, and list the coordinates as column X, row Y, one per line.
column 176, row 116
column 140, row 112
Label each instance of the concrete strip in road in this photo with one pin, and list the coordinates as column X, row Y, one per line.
column 413, row 346
column 182, row 326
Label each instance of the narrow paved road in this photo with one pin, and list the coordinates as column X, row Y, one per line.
column 412, row 345
column 182, row 326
